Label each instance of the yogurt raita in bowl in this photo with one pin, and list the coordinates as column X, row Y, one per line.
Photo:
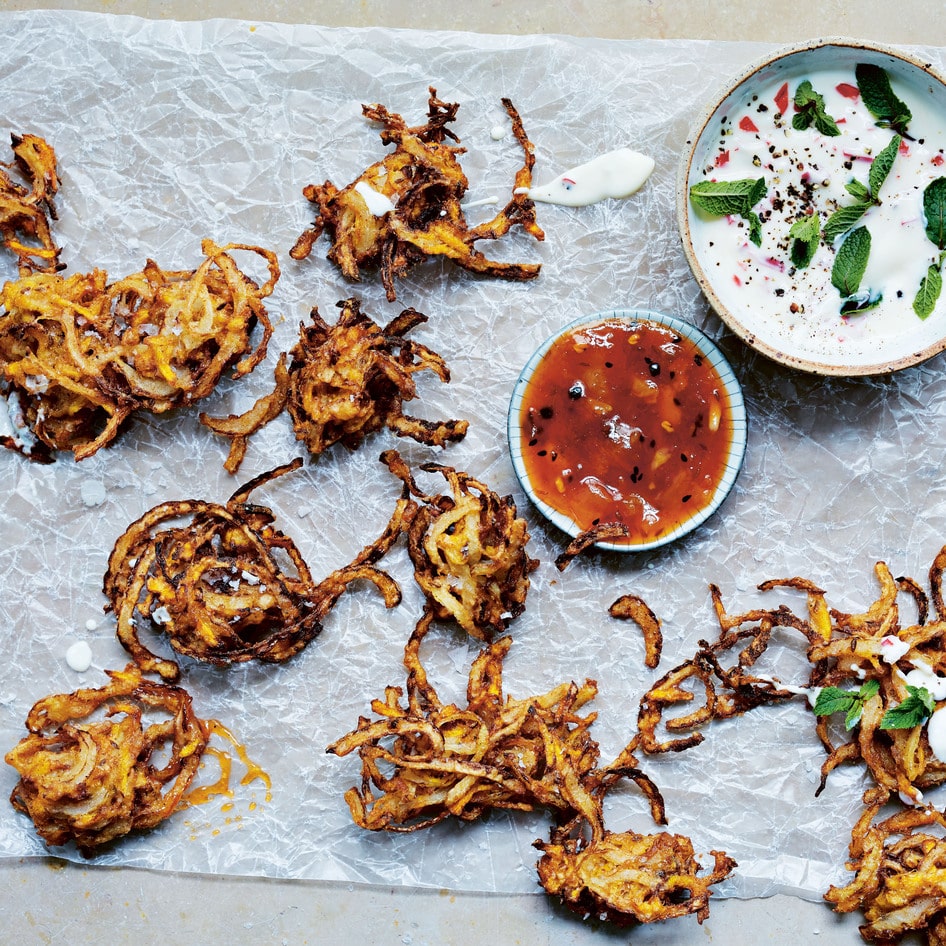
column 812, row 207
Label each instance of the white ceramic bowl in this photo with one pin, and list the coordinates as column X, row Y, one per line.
column 740, row 280
column 736, row 418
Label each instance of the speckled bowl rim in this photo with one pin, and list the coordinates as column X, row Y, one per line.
column 683, row 212
column 739, row 422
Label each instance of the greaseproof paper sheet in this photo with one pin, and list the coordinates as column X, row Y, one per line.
column 169, row 132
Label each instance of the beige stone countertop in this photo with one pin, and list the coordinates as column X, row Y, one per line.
column 56, row 902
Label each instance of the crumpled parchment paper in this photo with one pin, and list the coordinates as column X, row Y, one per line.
column 170, row 132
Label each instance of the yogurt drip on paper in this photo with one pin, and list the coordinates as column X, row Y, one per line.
column 79, row 656
column 616, row 174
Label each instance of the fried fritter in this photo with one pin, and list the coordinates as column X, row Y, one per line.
column 629, row 877
column 78, row 355
column 708, row 687
column 407, row 207
column 469, row 551
column 900, row 873
column 424, row 761
column 227, row 587
column 25, row 211
column 93, row 780
column 346, row 381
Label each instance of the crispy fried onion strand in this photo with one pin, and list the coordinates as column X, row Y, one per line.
column 79, row 355
column 346, row 381
column 900, row 872
column 226, row 587
column 419, row 186
column 711, row 687
column 423, row 761
column 469, row 551
column 634, row 608
column 25, row 211
column 94, row 780
column 601, row 532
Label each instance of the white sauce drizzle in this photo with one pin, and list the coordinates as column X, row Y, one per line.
column 892, row 648
column 811, row 694
column 378, row 203
column 923, row 675
column 481, row 203
column 936, row 733
column 79, row 656
column 6, row 424
column 915, row 799
column 617, row 174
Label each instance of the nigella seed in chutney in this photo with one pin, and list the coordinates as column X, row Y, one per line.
column 619, row 398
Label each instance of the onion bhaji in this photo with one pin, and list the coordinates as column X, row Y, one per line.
column 226, row 586
column 900, row 873
column 423, row 761
column 629, row 877
column 88, row 767
column 407, row 207
column 873, row 648
column 468, row 549
column 346, row 381
column 427, row 760
column 886, row 676
column 79, row 355
column 25, row 210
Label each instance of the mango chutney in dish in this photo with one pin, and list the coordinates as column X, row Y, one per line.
column 632, row 418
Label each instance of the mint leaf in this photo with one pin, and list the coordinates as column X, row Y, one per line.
column 911, row 712
column 857, row 190
column 811, row 111
column 843, row 219
column 934, row 209
column 853, row 715
column 805, row 232
column 755, row 228
column 931, row 285
column 834, row 700
column 879, row 98
column 863, row 302
column 881, row 165
column 722, row 198
column 850, row 702
column 851, row 262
